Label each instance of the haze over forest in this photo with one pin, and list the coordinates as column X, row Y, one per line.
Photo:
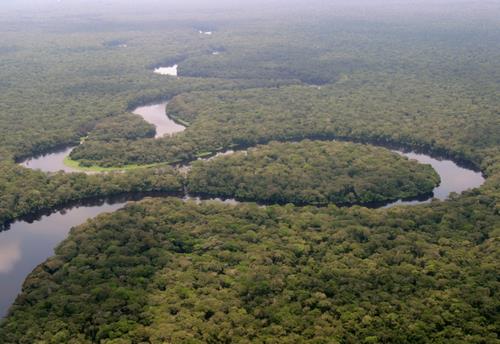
column 266, row 171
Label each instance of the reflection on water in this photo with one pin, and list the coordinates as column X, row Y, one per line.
column 156, row 115
column 453, row 178
column 198, row 200
column 10, row 253
column 25, row 245
column 51, row 162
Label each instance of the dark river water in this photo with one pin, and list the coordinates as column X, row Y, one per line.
column 25, row 244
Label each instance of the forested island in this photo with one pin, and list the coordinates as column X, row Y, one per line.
column 312, row 172
column 287, row 80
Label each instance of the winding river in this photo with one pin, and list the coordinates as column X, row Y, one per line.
column 28, row 243
column 154, row 114
column 50, row 162
column 454, row 178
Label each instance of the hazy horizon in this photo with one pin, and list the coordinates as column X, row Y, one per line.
column 472, row 8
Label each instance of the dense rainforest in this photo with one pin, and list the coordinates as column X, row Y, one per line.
column 446, row 122
column 24, row 192
column 62, row 83
column 173, row 271
column 166, row 271
column 312, row 172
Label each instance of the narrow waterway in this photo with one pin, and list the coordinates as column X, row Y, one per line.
column 27, row 244
column 154, row 114
column 454, row 178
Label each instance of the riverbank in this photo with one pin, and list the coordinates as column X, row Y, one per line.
column 455, row 177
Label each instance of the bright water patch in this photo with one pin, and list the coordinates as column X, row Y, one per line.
column 453, row 177
column 50, row 162
column 156, row 115
column 171, row 70
column 27, row 244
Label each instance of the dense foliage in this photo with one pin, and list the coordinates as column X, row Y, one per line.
column 169, row 271
column 60, row 81
column 125, row 127
column 428, row 118
column 56, row 87
column 24, row 192
column 313, row 172
column 431, row 93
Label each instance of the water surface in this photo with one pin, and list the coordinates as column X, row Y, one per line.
column 50, row 162
column 454, row 178
column 27, row 244
column 156, row 115
column 170, row 70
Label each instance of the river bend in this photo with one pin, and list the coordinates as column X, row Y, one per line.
column 28, row 243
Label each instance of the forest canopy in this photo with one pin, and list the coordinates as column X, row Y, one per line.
column 169, row 271
column 312, row 172
column 25, row 192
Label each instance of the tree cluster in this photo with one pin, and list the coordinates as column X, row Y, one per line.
column 25, row 192
column 312, row 172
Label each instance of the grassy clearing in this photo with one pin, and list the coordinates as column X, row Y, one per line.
column 76, row 165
